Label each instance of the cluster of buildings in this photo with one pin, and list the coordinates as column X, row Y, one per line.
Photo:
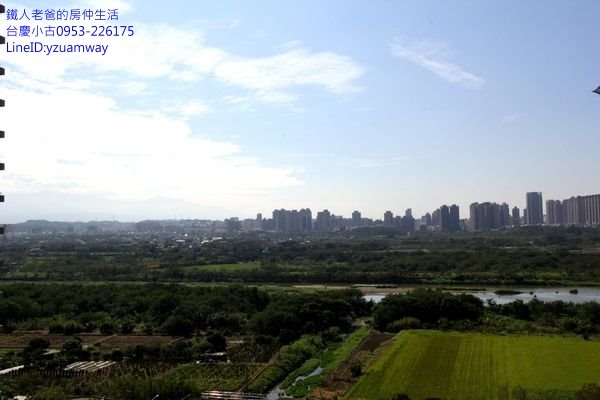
column 489, row 215
column 446, row 218
column 300, row 221
column 577, row 210
column 580, row 210
column 484, row 216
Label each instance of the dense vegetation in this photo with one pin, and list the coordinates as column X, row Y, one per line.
column 538, row 316
column 428, row 308
column 532, row 255
column 176, row 309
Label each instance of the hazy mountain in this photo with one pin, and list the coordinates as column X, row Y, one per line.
column 58, row 206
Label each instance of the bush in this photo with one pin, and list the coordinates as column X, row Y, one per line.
column 39, row 343
column 404, row 323
column 332, row 334
column 56, row 327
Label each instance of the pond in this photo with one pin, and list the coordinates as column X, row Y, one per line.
column 546, row 294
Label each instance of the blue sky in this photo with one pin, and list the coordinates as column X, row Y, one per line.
column 248, row 106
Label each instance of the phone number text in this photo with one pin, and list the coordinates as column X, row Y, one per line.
column 70, row 30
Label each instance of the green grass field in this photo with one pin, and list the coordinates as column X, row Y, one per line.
column 470, row 366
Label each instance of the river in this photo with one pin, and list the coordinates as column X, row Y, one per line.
column 547, row 294
column 277, row 393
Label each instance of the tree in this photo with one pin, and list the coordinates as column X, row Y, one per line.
column 73, row 350
column 34, row 352
column 72, row 345
column 38, row 343
column 428, row 306
column 178, row 325
column 217, row 341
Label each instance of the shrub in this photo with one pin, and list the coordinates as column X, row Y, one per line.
column 404, row 323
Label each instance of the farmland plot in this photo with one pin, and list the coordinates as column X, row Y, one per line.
column 476, row 366
column 214, row 376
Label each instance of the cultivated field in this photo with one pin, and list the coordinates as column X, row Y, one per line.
column 218, row 376
column 469, row 366
column 20, row 340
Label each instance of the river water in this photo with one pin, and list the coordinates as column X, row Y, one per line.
column 277, row 393
column 546, row 294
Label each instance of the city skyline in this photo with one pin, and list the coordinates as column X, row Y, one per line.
column 574, row 209
column 215, row 109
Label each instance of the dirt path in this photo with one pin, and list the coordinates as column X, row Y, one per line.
column 339, row 381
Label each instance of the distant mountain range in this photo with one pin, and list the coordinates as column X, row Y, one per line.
column 59, row 206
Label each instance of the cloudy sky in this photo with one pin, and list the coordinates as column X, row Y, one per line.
column 221, row 108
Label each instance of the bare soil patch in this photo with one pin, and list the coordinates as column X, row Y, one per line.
column 21, row 340
column 340, row 380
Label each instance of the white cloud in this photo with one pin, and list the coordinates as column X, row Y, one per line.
column 190, row 108
column 241, row 103
column 163, row 51
column 276, row 97
column 133, row 88
column 426, row 58
column 78, row 142
column 292, row 68
column 247, row 103
column 236, row 99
